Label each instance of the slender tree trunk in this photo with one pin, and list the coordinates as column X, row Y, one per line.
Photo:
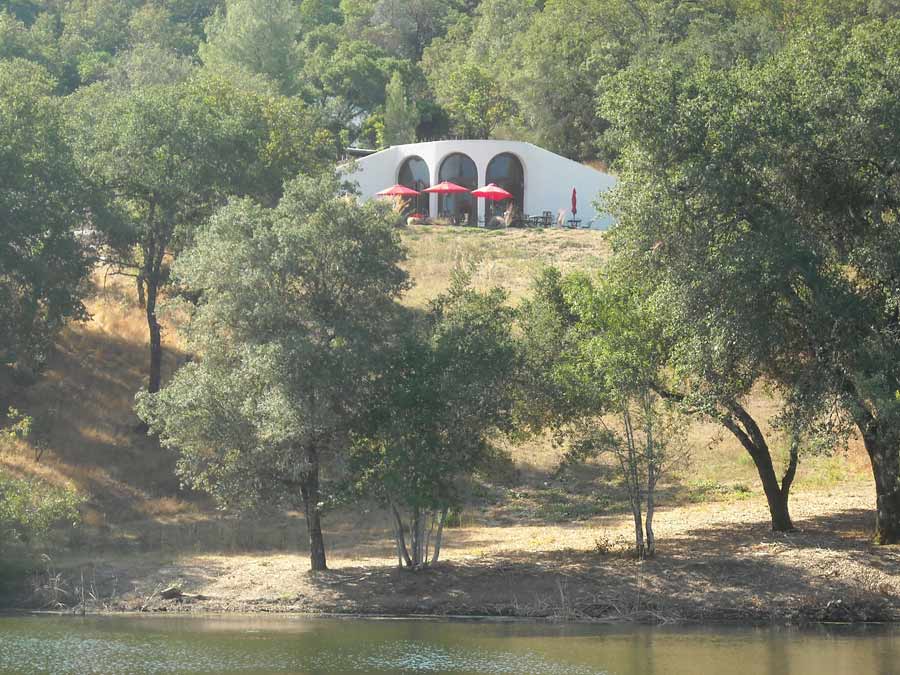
column 397, row 544
column 139, row 282
column 414, row 540
column 401, row 538
column 742, row 425
column 428, row 538
column 651, row 506
column 309, row 489
column 398, row 536
column 151, row 279
column 419, row 555
column 438, row 538
column 154, row 379
column 886, row 471
column 639, row 549
column 154, row 251
column 651, row 459
column 629, row 465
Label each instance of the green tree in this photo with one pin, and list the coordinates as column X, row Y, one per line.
column 43, row 200
column 475, row 106
column 400, row 116
column 594, row 358
column 257, row 37
column 154, row 24
column 288, row 330
column 406, row 27
column 761, row 204
column 345, row 76
column 447, row 388
column 170, row 154
column 489, row 38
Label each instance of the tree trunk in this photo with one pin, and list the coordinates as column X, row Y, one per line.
column 651, row 506
column 638, row 532
column 152, row 273
column 428, row 532
column 142, row 301
column 418, row 538
column 651, row 459
column 309, row 489
column 886, row 471
column 154, row 379
column 438, row 538
column 777, row 499
column 401, row 539
column 753, row 441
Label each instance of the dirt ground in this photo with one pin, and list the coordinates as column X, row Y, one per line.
column 715, row 562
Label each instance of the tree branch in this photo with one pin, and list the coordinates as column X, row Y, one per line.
column 792, row 466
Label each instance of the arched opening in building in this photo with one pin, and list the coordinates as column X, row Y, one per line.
column 414, row 174
column 460, row 169
column 505, row 170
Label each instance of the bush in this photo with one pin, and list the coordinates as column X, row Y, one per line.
column 28, row 508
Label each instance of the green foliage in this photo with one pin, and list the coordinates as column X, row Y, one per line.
column 760, row 204
column 599, row 357
column 172, row 153
column 777, row 171
column 18, row 425
column 701, row 491
column 184, row 146
column 346, row 76
column 403, row 27
column 288, row 330
column 447, row 388
column 400, row 118
column 258, row 37
column 43, row 199
column 472, row 100
column 29, row 508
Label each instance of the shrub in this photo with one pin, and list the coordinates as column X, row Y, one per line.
column 28, row 508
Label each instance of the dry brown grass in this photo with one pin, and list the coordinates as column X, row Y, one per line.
column 84, row 426
column 508, row 258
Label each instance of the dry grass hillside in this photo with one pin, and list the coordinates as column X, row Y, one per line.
column 508, row 258
column 86, row 435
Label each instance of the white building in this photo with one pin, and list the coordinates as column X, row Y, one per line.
column 539, row 180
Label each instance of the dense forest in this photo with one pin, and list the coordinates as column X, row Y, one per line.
column 191, row 146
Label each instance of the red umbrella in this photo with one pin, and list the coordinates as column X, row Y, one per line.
column 492, row 192
column 446, row 188
column 574, row 202
column 397, row 191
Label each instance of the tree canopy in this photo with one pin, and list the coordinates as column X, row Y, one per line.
column 44, row 199
column 762, row 202
column 294, row 305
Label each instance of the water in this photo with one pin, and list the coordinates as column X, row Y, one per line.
column 302, row 645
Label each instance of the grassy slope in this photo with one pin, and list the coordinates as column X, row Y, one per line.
column 85, row 425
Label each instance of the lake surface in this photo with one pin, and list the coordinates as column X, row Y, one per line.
column 154, row 644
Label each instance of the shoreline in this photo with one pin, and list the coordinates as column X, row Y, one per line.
column 201, row 614
column 717, row 563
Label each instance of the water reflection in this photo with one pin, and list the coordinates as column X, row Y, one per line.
column 295, row 645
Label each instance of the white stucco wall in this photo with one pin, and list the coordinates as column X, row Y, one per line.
column 549, row 178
